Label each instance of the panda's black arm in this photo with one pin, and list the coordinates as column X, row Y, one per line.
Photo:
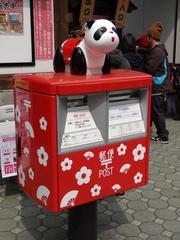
column 78, row 62
column 107, row 65
column 58, row 61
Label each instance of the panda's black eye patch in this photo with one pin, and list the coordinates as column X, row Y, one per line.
column 114, row 29
column 99, row 32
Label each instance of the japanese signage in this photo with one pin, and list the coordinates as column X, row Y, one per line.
column 43, row 29
column 87, row 9
column 8, row 156
column 125, row 119
column 11, row 17
column 80, row 128
column 121, row 11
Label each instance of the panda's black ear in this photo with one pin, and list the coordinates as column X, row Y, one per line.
column 90, row 23
column 113, row 22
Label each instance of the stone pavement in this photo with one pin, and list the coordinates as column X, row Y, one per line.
column 150, row 212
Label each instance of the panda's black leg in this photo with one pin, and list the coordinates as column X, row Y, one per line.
column 58, row 61
column 107, row 65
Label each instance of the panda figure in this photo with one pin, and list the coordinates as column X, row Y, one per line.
column 90, row 56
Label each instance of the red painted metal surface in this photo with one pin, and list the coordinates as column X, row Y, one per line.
column 37, row 165
column 60, row 181
column 65, row 83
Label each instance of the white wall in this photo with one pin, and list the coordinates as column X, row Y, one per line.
column 135, row 20
column 178, row 37
column 150, row 11
column 40, row 65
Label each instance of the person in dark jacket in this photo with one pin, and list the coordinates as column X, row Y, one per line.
column 128, row 47
column 157, row 65
column 118, row 60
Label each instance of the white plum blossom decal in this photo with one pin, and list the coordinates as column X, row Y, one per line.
column 95, row 191
column 138, row 177
column 122, row 149
column 83, row 176
column 21, row 176
column 31, row 173
column 18, row 114
column 66, row 164
column 42, row 156
column 138, row 152
column 43, row 124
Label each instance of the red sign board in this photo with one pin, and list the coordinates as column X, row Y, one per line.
column 43, row 29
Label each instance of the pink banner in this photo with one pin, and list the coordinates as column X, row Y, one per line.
column 43, row 29
column 8, row 156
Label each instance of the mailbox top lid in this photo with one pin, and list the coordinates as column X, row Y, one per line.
column 67, row 84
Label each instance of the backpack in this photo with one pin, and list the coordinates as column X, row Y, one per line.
column 160, row 79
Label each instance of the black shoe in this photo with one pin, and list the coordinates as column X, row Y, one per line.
column 160, row 140
column 176, row 118
column 120, row 194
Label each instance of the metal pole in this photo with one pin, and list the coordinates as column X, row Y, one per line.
column 82, row 222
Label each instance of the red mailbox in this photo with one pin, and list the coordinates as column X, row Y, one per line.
column 81, row 138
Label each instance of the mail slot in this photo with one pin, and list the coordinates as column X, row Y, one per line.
column 81, row 138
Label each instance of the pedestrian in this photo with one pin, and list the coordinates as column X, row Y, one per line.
column 176, row 86
column 128, row 47
column 157, row 65
column 118, row 60
column 142, row 45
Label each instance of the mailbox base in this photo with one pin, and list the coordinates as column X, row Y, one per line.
column 82, row 222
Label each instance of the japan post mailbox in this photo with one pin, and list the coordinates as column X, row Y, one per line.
column 81, row 138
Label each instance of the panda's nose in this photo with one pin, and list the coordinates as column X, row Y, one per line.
column 111, row 31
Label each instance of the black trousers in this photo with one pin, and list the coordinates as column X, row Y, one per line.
column 158, row 116
column 178, row 102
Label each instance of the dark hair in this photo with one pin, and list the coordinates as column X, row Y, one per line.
column 128, row 43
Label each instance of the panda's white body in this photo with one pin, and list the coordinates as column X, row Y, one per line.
column 90, row 55
column 94, row 60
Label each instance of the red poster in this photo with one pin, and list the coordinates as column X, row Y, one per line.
column 43, row 29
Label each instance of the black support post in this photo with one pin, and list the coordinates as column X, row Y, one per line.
column 82, row 222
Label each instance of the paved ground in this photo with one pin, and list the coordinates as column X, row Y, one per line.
column 151, row 212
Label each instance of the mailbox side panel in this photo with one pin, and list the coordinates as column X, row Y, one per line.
column 37, row 146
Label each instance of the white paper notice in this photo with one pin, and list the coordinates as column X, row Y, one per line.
column 125, row 119
column 80, row 128
column 8, row 156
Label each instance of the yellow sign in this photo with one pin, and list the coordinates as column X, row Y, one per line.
column 121, row 11
column 87, row 9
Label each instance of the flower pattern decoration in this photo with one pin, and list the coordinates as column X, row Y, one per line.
column 43, row 124
column 83, row 176
column 138, row 178
column 96, row 190
column 31, row 173
column 66, row 164
column 42, row 156
column 21, row 176
column 139, row 152
column 121, row 149
column 18, row 114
